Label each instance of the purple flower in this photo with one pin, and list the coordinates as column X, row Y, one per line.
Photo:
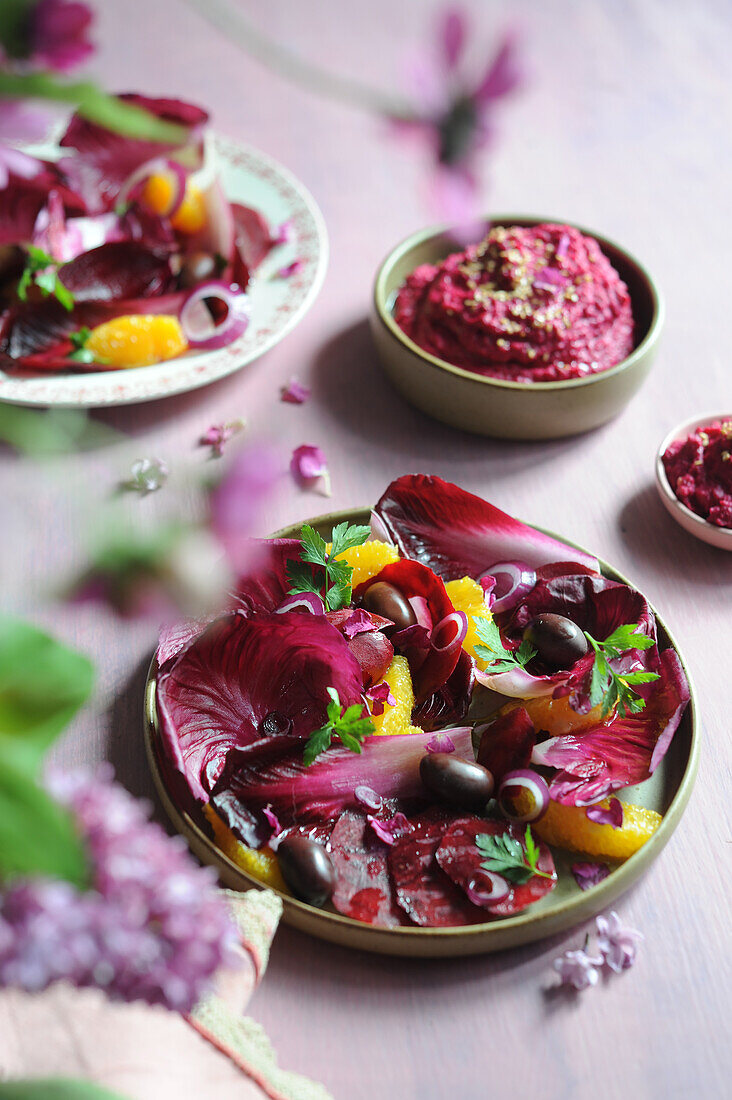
column 379, row 695
column 147, row 476
column 151, row 927
column 390, row 831
column 218, row 435
column 308, row 464
column 440, row 743
column 610, row 815
column 589, row 874
column 616, row 942
column 578, row 969
column 455, row 118
column 294, row 392
column 58, row 33
column 291, row 269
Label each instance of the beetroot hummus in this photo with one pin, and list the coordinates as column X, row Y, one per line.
column 699, row 470
column 541, row 304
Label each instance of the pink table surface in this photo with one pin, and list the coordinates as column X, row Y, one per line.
column 625, row 128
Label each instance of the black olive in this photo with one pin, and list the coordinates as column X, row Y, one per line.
column 386, row 600
column 558, row 641
column 307, row 869
column 197, row 268
column 457, row 781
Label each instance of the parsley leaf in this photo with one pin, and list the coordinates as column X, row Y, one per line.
column 318, row 570
column 350, row 727
column 494, row 651
column 507, row 856
column 613, row 689
column 41, row 270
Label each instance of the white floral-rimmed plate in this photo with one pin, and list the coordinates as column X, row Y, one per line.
column 277, row 304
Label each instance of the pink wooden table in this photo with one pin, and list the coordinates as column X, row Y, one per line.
column 625, row 128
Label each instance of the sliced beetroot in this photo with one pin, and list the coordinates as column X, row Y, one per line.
column 460, row 858
column 506, row 743
column 423, row 890
column 374, row 653
column 363, row 888
column 119, row 269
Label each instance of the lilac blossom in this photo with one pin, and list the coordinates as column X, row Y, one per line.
column 578, row 968
column 147, row 475
column 606, row 815
column 218, row 435
column 58, row 33
column 308, row 463
column 295, row 393
column 152, row 925
column 589, row 874
column 616, row 942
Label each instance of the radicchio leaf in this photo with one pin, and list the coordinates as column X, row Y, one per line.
column 506, row 742
column 217, row 693
column 120, row 269
column 458, row 534
column 620, row 753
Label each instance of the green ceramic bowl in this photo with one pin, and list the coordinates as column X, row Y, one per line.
column 667, row 792
column 491, row 406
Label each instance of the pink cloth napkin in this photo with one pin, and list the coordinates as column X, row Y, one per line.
column 149, row 1053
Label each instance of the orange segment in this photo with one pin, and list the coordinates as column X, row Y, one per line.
column 467, row 595
column 369, row 559
column 190, row 217
column 137, row 340
column 569, row 827
column 157, row 193
column 260, row 863
column 396, row 719
column 556, row 716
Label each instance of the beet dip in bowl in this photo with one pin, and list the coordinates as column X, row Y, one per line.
column 541, row 330
column 694, row 477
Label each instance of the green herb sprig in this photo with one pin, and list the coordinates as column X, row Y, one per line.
column 349, row 726
column 494, row 651
column 41, row 270
column 318, row 570
column 611, row 688
column 507, row 856
column 78, row 340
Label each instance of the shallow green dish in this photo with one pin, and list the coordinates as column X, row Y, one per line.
column 667, row 792
column 491, row 406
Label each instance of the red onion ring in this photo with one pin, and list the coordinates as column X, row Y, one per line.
column 452, row 628
column 302, row 601
column 486, row 888
column 175, row 172
column 534, row 784
column 199, row 327
column 514, row 580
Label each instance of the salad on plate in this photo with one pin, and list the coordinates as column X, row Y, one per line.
column 121, row 252
column 405, row 722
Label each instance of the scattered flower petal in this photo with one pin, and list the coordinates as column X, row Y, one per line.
column 390, row 831
column 359, row 622
column 578, row 969
column 440, row 743
column 612, row 815
column 272, row 819
column 284, row 233
column 289, row 270
column 378, row 696
column 589, row 874
column 218, row 435
column 295, row 393
column 151, row 927
column 616, row 942
column 307, row 464
column 147, row 476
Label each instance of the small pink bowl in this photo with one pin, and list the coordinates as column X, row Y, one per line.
column 720, row 537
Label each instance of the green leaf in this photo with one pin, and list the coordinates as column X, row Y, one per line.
column 628, row 637
column 339, row 575
column 506, row 856
column 613, row 689
column 63, row 294
column 43, row 683
column 494, row 651
column 300, row 576
column 37, row 836
column 93, row 104
column 346, row 535
column 318, row 741
column 56, row 1088
column 57, row 431
column 314, row 546
column 349, row 727
column 80, row 337
column 639, row 677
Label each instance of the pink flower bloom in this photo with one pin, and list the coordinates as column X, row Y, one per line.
column 152, row 926
column 308, row 464
column 218, row 435
column 578, row 969
column 613, row 815
column 616, row 942
column 589, row 874
column 378, row 696
column 289, row 270
column 294, row 392
column 58, row 33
